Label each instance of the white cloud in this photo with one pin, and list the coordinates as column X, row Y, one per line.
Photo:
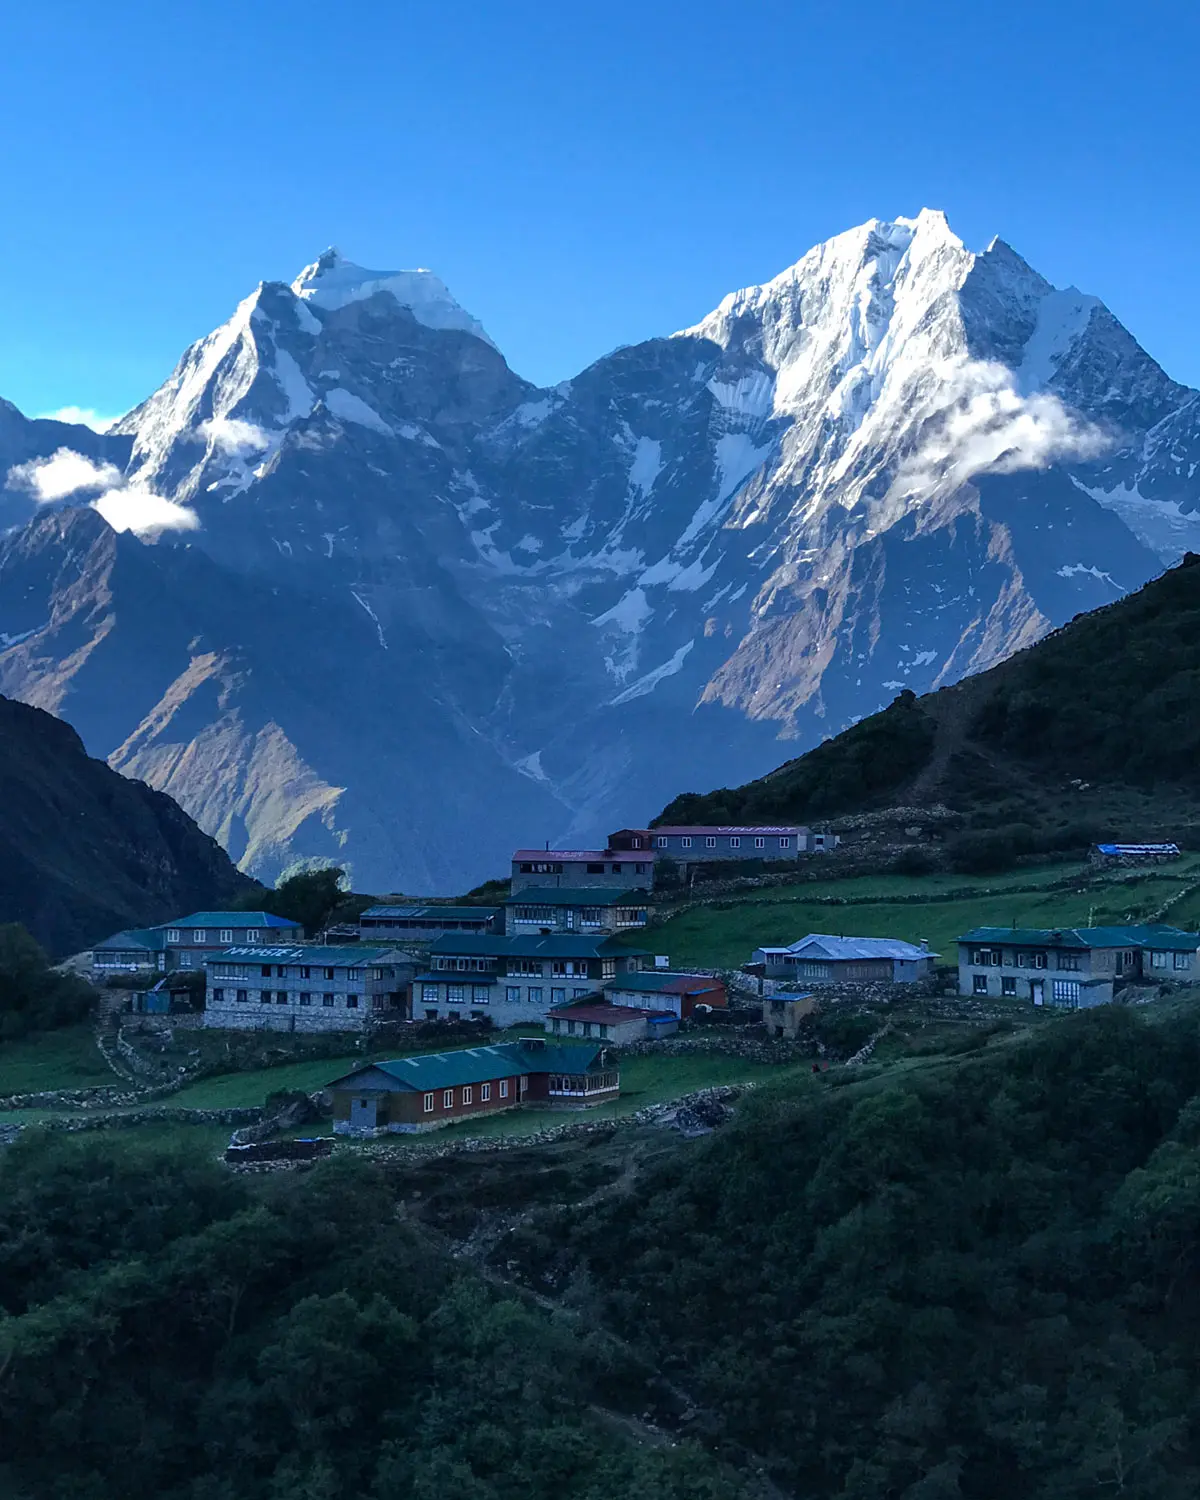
column 85, row 415
column 990, row 428
column 233, row 436
column 64, row 473
column 139, row 510
column 126, row 507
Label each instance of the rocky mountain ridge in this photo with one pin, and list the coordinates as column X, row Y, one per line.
column 415, row 611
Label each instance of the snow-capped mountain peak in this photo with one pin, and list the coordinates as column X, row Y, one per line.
column 332, row 281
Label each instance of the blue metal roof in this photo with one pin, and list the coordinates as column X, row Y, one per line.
column 250, row 920
column 826, row 945
column 436, row 1070
column 1135, row 936
column 353, row 957
column 435, row 912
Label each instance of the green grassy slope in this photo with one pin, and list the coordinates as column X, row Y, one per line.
column 1092, row 732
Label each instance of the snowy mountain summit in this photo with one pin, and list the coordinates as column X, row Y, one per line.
column 411, row 610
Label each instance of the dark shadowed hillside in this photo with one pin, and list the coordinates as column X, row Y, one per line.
column 1094, row 730
column 84, row 851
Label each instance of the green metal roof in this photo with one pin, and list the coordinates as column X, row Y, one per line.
column 577, row 896
column 434, row 913
column 149, row 938
column 660, row 981
column 352, row 956
column 437, row 1070
column 552, row 945
column 235, row 919
column 1136, row 936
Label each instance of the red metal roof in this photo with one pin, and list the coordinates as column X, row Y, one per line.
column 592, row 856
column 606, row 1014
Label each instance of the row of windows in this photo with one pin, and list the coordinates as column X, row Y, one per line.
column 292, row 971
column 200, row 935
column 555, row 867
column 710, row 842
column 481, row 994
column 994, row 958
column 467, row 1095
column 1063, row 991
column 582, row 1084
column 283, row 997
column 515, row 968
column 1158, row 960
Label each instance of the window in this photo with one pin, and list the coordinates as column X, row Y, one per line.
column 1008, row 984
column 326, row 1000
column 266, row 970
column 351, row 1002
column 353, row 975
column 305, row 998
column 735, row 842
column 456, row 994
column 603, row 1030
column 979, row 984
column 575, row 995
column 513, row 994
column 1039, row 960
column 591, row 916
column 243, row 996
column 639, row 869
column 485, row 1092
column 431, row 1015
column 534, row 914
column 218, row 996
column 428, row 1104
column 662, row 843
column 760, row 843
column 264, row 997
column 595, row 869
column 504, row 1088
column 608, row 968
column 328, row 973
column 570, row 1028
column 280, row 971
column 185, row 960
column 468, row 1095
column 785, row 843
column 569, row 966
column 305, row 972
column 1068, row 961
column 227, row 934
column 429, row 994
column 618, row 870
column 535, row 994
column 172, row 934
column 376, row 973
column 281, row 997
column 448, row 1099
column 200, row 935
column 1158, row 959
column 1066, row 992
column 710, row 842
column 1183, row 960
column 1022, row 961
column 252, row 934
column 557, row 996
column 685, row 842
column 482, row 994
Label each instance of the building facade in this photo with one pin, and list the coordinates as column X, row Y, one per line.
column 508, row 980
column 582, row 869
column 783, row 1012
column 821, row 958
column 188, row 941
column 618, row 1024
column 423, row 923
column 130, row 952
column 414, row 1094
column 662, row 990
column 1072, row 968
column 561, row 909
column 705, row 843
column 305, row 988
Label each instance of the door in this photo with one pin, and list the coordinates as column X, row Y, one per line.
column 1037, row 991
column 363, row 1114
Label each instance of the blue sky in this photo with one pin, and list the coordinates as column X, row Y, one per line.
column 581, row 175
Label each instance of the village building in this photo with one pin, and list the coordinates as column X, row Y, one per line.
column 689, row 844
column 512, row 979
column 305, row 988
column 561, row 909
column 783, row 1012
column 187, row 942
column 822, row 958
column 1107, row 855
column 1073, row 968
column 662, row 990
column 414, row 1094
column 619, row 1024
column 424, row 922
column 579, row 869
column 130, row 952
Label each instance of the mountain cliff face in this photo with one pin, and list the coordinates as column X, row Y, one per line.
column 85, row 852
column 378, row 598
